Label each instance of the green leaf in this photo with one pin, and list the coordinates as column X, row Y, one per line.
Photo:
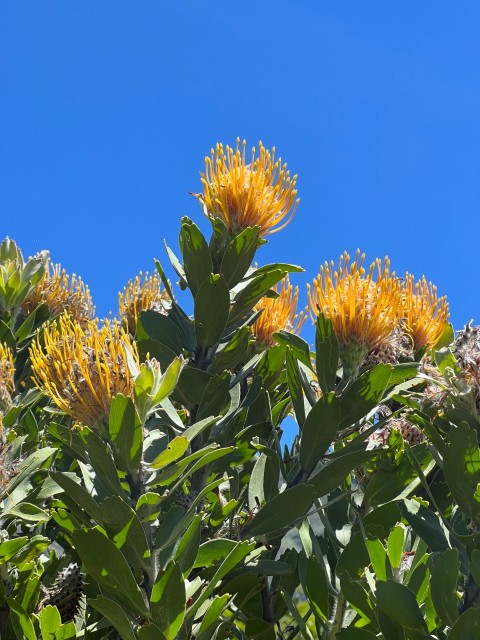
column 31, row 550
column 258, row 629
column 26, row 511
column 332, row 474
column 400, row 604
column 126, row 433
column 66, row 631
column 126, row 531
column 115, row 614
column 232, row 353
column 467, row 627
column 107, row 565
column 298, row 346
column 461, row 466
column 239, row 254
column 283, row 510
column 102, row 462
column 50, row 621
column 216, row 397
column 236, row 555
column 292, row 608
column 364, row 395
column 160, row 328
column 78, row 493
column 319, row 430
column 152, row 387
column 29, row 465
column 21, row 623
column 316, row 588
column 168, row 599
column 425, row 523
column 327, row 353
column 378, row 558
column 444, row 358
column 213, row 552
column 443, row 585
column 187, row 549
column 175, row 450
column 212, row 305
column 248, row 297
column 9, row 548
column 295, row 387
column 197, row 259
column 150, row 632
column 357, row 596
column 212, row 617
column 395, row 546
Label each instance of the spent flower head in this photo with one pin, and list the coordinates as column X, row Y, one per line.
column 82, row 367
column 242, row 192
column 362, row 305
column 140, row 294
column 425, row 316
column 61, row 292
column 278, row 314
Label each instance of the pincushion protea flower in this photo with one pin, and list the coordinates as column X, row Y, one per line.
column 7, row 372
column 248, row 194
column 140, row 294
column 82, row 367
column 278, row 314
column 425, row 315
column 61, row 292
column 363, row 306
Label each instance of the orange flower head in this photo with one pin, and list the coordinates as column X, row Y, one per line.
column 61, row 292
column 363, row 306
column 278, row 314
column 248, row 194
column 142, row 293
column 425, row 316
column 82, row 367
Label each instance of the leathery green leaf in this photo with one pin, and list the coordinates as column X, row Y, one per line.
column 443, row 585
column 400, row 605
column 283, row 510
column 319, row 430
column 168, row 600
column 107, row 566
column 213, row 296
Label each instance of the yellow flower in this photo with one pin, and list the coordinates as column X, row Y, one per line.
column 425, row 315
column 7, row 385
column 7, row 368
column 61, row 292
column 278, row 314
column 363, row 306
column 259, row 193
column 82, row 367
column 140, row 295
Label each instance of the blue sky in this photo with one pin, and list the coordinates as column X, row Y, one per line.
column 108, row 109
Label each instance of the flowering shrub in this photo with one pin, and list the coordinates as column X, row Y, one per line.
column 146, row 492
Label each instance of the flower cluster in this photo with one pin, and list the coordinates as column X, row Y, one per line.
column 82, row 367
column 142, row 293
column 7, row 372
column 278, row 314
column 374, row 312
column 243, row 193
column 61, row 292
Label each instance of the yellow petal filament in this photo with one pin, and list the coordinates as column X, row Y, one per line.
column 279, row 314
column 425, row 315
column 363, row 306
column 261, row 193
column 83, row 366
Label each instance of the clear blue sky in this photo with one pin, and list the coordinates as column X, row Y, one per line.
column 108, row 108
